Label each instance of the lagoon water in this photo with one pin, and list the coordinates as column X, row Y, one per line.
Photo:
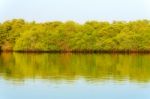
column 74, row 76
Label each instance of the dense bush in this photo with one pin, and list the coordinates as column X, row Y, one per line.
column 18, row 35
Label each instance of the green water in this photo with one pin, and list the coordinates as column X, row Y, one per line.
column 74, row 76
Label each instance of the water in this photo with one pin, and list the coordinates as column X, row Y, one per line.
column 74, row 76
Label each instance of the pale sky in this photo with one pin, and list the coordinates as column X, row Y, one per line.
column 77, row 10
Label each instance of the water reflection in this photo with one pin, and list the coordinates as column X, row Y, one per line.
column 70, row 67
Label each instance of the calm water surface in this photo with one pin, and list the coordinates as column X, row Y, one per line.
column 74, row 76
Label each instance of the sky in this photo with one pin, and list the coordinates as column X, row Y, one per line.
column 76, row 10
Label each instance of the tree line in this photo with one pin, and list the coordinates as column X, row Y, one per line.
column 70, row 36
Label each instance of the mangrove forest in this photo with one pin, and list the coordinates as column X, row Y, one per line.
column 70, row 36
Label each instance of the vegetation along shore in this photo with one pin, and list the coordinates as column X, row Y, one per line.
column 92, row 36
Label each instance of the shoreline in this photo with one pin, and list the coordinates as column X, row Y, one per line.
column 84, row 52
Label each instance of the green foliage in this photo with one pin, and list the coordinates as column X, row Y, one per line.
column 35, row 40
column 9, row 32
column 18, row 35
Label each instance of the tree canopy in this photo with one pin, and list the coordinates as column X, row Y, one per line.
column 19, row 35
